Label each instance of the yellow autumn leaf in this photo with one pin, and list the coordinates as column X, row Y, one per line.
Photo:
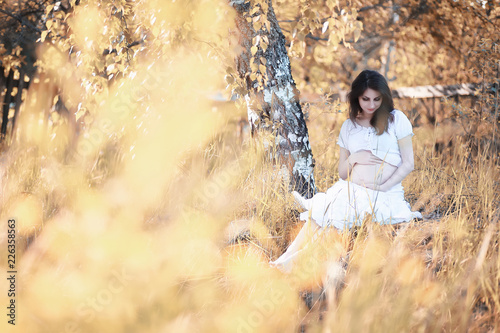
column 44, row 35
column 357, row 34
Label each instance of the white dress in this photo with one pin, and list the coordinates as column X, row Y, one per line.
column 346, row 204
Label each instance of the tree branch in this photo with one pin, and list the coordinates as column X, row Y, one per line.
column 481, row 16
column 129, row 46
column 21, row 20
column 362, row 9
column 310, row 36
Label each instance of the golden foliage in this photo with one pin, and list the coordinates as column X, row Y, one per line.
column 410, row 42
column 125, row 226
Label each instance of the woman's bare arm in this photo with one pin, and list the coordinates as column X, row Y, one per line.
column 407, row 165
column 344, row 166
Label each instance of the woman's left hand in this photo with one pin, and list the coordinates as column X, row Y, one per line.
column 406, row 150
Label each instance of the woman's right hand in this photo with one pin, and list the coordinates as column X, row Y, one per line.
column 364, row 157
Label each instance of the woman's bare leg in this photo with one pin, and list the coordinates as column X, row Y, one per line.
column 309, row 232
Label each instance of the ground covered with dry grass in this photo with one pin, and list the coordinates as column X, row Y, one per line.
column 158, row 213
column 114, row 249
column 441, row 273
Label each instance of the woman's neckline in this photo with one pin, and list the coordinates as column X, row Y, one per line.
column 366, row 118
column 367, row 127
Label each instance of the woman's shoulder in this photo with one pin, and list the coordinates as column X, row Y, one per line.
column 347, row 123
column 398, row 115
column 401, row 124
column 397, row 112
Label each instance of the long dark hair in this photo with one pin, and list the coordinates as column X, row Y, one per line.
column 373, row 80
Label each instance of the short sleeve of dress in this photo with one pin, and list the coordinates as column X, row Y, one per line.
column 342, row 140
column 402, row 125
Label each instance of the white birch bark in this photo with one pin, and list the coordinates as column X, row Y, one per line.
column 272, row 97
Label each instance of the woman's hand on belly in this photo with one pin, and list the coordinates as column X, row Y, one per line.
column 372, row 175
column 364, row 157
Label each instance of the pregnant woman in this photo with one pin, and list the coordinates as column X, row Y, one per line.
column 376, row 154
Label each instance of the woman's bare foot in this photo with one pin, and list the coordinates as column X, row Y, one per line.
column 300, row 199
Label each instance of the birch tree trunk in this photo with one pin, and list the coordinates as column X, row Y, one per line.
column 270, row 91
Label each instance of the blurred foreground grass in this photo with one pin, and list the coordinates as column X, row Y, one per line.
column 174, row 244
column 162, row 218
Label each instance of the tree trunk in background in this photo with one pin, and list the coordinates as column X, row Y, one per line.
column 271, row 94
column 6, row 105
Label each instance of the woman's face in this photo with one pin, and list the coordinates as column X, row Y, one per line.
column 370, row 101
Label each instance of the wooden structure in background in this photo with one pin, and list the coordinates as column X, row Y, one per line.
column 465, row 89
column 426, row 101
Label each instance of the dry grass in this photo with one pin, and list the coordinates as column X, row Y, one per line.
column 168, row 221
column 194, row 258
column 439, row 274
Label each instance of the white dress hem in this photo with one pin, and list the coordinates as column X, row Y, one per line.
column 346, row 204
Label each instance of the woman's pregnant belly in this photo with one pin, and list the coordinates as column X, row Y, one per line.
column 371, row 175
